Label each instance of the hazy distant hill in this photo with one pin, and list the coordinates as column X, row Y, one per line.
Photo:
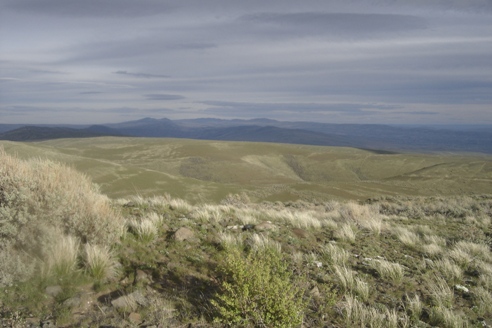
column 149, row 127
column 34, row 133
column 378, row 136
column 368, row 136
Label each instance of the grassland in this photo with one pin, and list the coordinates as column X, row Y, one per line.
column 207, row 171
column 280, row 246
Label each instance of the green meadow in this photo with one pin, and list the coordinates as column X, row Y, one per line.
column 207, row 171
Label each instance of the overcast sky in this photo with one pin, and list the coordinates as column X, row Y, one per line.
column 347, row 61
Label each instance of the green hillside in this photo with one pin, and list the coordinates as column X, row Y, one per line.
column 210, row 170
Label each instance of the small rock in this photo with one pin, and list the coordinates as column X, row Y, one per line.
column 32, row 322
column 318, row 264
column 53, row 290
column 141, row 277
column 462, row 288
column 119, row 303
column 135, row 317
column 265, row 226
column 315, row 292
column 126, row 303
column 73, row 302
column 183, row 234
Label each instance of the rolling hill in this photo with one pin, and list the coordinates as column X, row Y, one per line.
column 199, row 170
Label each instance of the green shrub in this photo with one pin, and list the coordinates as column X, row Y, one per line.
column 258, row 290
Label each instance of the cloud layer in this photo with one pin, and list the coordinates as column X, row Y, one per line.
column 378, row 61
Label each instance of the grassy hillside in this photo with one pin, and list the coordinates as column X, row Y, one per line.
column 71, row 258
column 201, row 171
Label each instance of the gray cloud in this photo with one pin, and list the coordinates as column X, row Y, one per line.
column 332, row 61
column 163, row 97
column 91, row 8
column 251, row 109
column 143, row 75
column 128, row 50
column 418, row 113
column 335, row 24
column 90, row 92
column 19, row 110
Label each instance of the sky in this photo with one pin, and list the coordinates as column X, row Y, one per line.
column 333, row 61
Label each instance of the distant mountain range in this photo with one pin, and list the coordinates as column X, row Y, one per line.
column 367, row 136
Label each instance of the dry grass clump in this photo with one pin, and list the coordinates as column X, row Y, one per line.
column 441, row 294
column 210, row 213
column 366, row 216
column 388, row 270
column 472, row 250
column 180, row 205
column 433, row 239
column 430, row 244
column 146, row 229
column 345, row 276
column 156, row 201
column 335, row 255
column 350, row 283
column 346, row 231
column 160, row 201
column 414, row 306
column 306, row 220
column 449, row 270
column 250, row 215
column 483, row 300
column 100, row 262
column 407, row 237
column 60, row 259
column 299, row 219
column 261, row 242
column 357, row 314
column 228, row 239
column 422, row 230
column 442, row 316
column 484, row 268
column 485, row 280
column 352, row 211
column 432, row 250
